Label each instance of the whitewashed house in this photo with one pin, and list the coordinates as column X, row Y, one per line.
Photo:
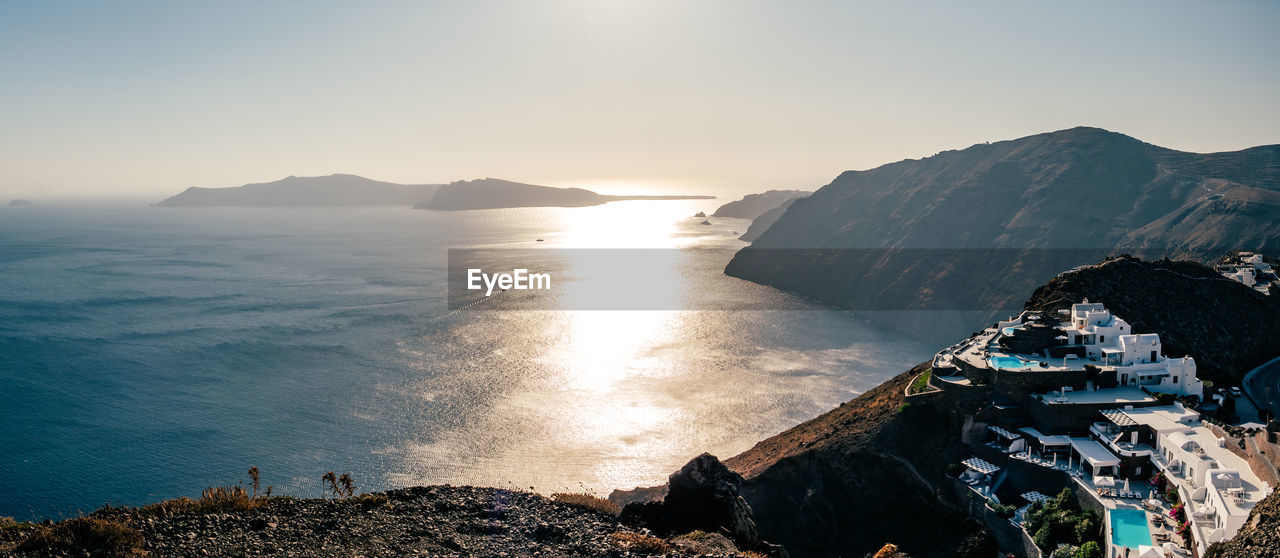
column 1138, row 359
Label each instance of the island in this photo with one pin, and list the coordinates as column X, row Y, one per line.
column 349, row 190
column 493, row 193
column 335, row 190
column 16, row 203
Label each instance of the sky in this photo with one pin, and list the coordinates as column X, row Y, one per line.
column 145, row 98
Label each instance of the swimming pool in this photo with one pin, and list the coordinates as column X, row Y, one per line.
column 1009, row 363
column 1007, row 331
column 1129, row 528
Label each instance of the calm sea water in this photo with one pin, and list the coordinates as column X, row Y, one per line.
column 147, row 353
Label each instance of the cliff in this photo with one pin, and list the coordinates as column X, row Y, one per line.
column 753, row 205
column 336, row 190
column 765, row 220
column 984, row 225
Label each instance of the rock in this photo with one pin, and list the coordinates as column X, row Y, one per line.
column 702, row 496
column 705, row 223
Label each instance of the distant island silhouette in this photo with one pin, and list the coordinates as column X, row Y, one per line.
column 20, row 202
column 349, row 190
column 493, row 193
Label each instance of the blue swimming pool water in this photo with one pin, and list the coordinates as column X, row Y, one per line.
column 1008, row 362
column 1008, row 330
column 1129, row 528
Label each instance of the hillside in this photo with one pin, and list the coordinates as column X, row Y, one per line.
column 492, row 193
column 873, row 471
column 753, row 205
column 765, row 220
column 335, row 190
column 1227, row 327
column 984, row 225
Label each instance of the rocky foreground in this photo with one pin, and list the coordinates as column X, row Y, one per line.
column 421, row 521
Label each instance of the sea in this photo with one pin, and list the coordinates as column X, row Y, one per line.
column 149, row 352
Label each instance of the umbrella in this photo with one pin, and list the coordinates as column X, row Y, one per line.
column 1126, row 485
column 1104, row 481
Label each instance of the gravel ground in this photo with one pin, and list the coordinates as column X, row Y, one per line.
column 421, row 521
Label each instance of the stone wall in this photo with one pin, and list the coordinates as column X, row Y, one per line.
column 1067, row 418
column 1009, row 536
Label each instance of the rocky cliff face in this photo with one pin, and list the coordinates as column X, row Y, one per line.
column 984, row 225
column 869, row 472
column 1227, row 327
column 765, row 220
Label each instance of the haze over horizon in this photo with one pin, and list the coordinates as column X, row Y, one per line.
column 143, row 99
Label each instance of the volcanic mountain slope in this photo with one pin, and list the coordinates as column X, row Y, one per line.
column 920, row 234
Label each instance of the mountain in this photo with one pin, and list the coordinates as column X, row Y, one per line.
column 979, row 228
column 492, row 193
column 334, row 190
column 753, row 205
column 765, row 220
column 16, row 203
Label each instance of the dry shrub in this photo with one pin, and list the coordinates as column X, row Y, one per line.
column 889, row 550
column 702, row 542
column 84, row 535
column 640, row 543
column 588, row 501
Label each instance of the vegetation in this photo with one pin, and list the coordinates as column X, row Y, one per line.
column 1089, row 549
column 1003, row 510
column 588, row 501
column 1060, row 521
column 216, row 499
column 921, row 383
column 640, row 543
column 89, row 536
column 342, row 486
column 702, row 543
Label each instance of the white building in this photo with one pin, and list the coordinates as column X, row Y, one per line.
column 1249, row 269
column 1217, row 486
column 1138, row 359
